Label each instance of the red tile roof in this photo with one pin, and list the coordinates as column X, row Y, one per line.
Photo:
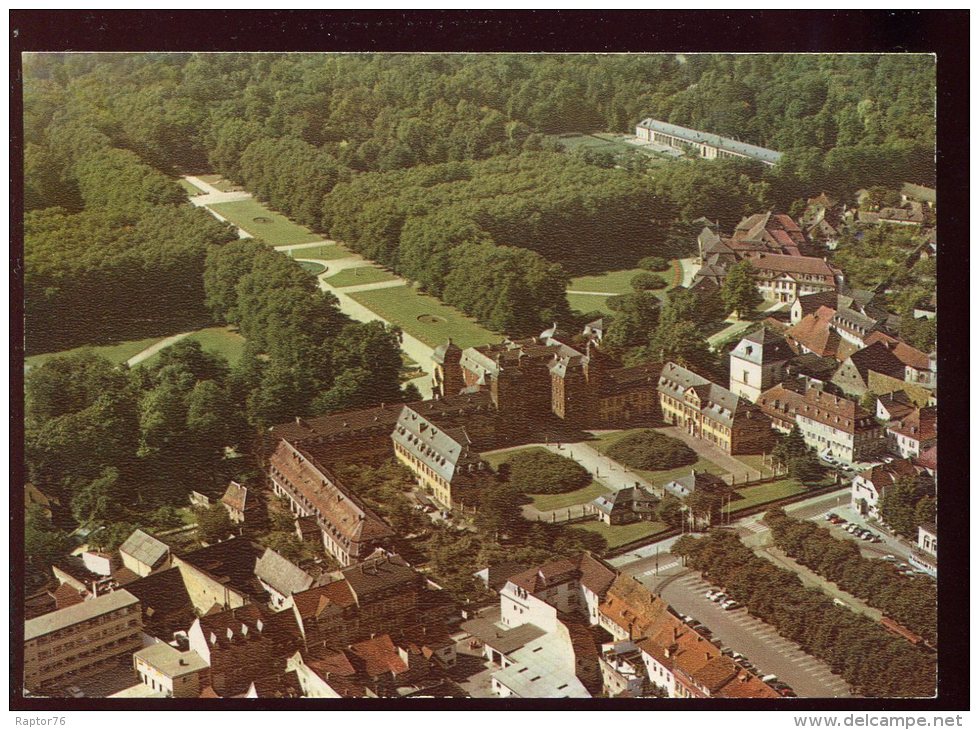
column 921, row 424
column 815, row 333
column 793, row 265
column 836, row 412
column 908, row 355
column 377, row 656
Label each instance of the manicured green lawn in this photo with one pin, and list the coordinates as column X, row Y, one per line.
column 117, row 353
column 273, row 228
column 329, row 252
column 546, row 502
column 616, row 282
column 221, row 183
column 189, row 187
column 762, row 493
column 312, row 267
column 218, row 340
column 360, row 275
column 616, row 535
column 756, row 462
column 424, row 317
column 586, row 303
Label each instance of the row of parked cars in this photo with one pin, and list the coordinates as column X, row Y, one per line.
column 740, row 659
column 853, row 528
column 721, row 599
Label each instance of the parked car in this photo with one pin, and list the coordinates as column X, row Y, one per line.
column 769, row 678
column 889, row 558
column 787, row 692
column 703, row 631
column 839, row 603
column 831, row 516
column 719, row 597
column 709, row 595
column 75, row 691
column 727, row 652
column 730, row 605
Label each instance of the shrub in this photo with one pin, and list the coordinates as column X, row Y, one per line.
column 654, row 263
column 538, row 471
column 646, row 281
column 651, row 450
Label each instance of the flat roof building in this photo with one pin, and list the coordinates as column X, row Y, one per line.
column 709, row 146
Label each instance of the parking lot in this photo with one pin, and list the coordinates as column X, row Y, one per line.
column 760, row 643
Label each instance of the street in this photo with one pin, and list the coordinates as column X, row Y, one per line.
column 760, row 643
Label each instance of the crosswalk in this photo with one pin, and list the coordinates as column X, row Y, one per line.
column 662, row 568
column 755, row 527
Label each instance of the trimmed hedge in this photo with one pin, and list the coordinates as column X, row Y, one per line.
column 651, row 450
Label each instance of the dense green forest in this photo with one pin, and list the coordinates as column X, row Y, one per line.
column 461, row 143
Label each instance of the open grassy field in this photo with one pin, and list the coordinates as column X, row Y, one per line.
column 221, row 341
column 546, row 502
column 312, row 267
column 221, row 183
column 762, row 493
column 756, row 462
column 424, row 317
column 189, row 187
column 360, row 275
column 586, row 303
column 273, row 228
column 117, row 353
column 616, row 535
column 328, row 252
column 614, row 282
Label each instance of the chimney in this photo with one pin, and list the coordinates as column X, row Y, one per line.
column 183, row 662
column 231, row 634
column 259, row 626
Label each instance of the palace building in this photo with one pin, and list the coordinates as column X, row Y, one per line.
column 706, row 145
column 707, row 411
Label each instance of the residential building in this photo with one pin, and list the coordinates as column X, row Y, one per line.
column 911, row 435
column 625, row 506
column 496, row 575
column 221, row 575
column 80, row 640
column 781, row 278
column 893, row 406
column 832, row 425
column 280, row 577
column 142, row 553
column 758, row 362
column 240, row 505
column 171, row 672
column 696, row 481
column 678, row 661
column 623, row 670
column 164, row 602
column 928, row 539
column 853, row 377
column 241, row 645
column 380, row 594
column 442, row 459
column 920, row 368
column 350, row 529
column 710, row 412
column 869, row 485
column 704, row 144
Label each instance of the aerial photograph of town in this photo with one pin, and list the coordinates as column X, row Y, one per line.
column 479, row 375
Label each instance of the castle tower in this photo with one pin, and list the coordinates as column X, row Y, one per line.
column 447, row 376
column 758, row 363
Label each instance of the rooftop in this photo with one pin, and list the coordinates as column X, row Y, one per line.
column 170, row 661
column 145, row 548
column 281, row 574
column 724, row 143
column 544, row 668
column 80, row 612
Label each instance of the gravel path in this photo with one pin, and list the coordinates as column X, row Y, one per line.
column 153, row 349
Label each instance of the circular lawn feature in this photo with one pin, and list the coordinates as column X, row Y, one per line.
column 429, row 319
column 261, row 219
column 313, row 267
